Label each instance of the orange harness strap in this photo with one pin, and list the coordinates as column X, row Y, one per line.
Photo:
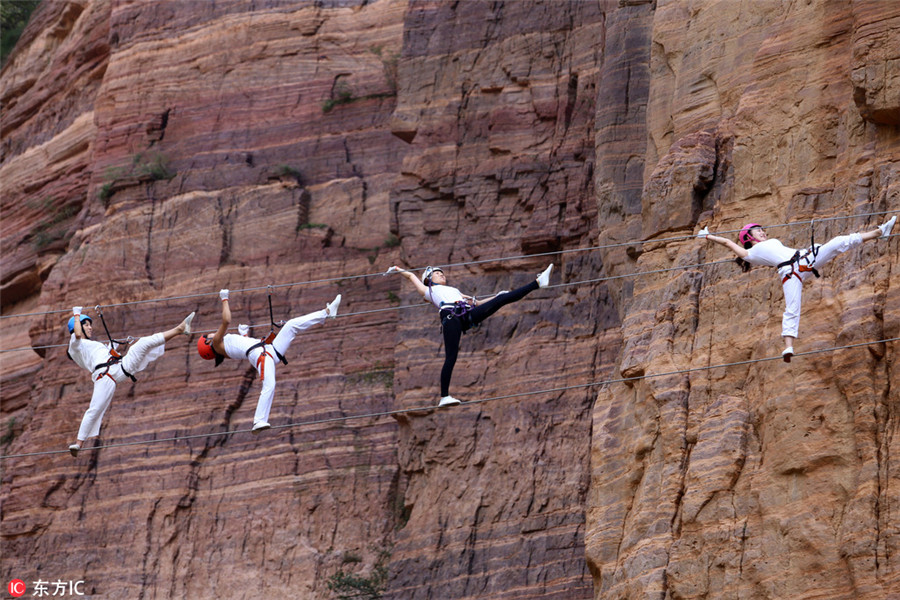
column 261, row 363
column 801, row 269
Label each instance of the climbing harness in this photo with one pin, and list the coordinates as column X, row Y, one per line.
column 457, row 310
column 261, row 361
column 115, row 358
column 809, row 267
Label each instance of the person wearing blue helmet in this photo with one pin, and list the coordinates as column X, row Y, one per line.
column 108, row 368
column 794, row 266
column 459, row 313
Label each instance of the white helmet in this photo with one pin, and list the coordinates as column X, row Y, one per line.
column 429, row 271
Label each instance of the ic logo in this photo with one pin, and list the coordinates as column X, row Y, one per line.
column 16, row 588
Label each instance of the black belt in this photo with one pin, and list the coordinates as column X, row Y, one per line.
column 263, row 345
column 113, row 360
column 458, row 310
column 797, row 257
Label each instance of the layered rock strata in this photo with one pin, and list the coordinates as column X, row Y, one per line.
column 500, row 164
column 761, row 479
column 209, row 153
column 161, row 150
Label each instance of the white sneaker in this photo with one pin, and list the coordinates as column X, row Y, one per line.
column 332, row 307
column 886, row 227
column 73, row 449
column 187, row 324
column 261, row 426
column 544, row 278
column 787, row 354
column 448, row 401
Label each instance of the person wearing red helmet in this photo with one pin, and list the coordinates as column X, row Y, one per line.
column 108, row 368
column 261, row 355
column 459, row 313
column 794, row 266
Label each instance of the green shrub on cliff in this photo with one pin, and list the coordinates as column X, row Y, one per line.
column 13, row 19
column 348, row 586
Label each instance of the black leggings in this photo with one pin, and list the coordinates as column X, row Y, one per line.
column 454, row 327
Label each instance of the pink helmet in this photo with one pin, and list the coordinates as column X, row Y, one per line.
column 745, row 236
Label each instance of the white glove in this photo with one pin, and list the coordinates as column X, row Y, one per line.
column 243, row 329
column 223, row 294
column 392, row 270
column 76, row 310
column 703, row 232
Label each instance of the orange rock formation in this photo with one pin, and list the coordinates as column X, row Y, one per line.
column 166, row 150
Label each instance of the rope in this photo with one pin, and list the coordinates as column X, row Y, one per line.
column 470, row 403
column 459, row 264
column 405, row 306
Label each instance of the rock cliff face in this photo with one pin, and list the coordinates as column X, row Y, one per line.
column 761, row 480
column 203, row 157
column 166, row 150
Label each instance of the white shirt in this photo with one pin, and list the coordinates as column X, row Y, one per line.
column 769, row 253
column 86, row 353
column 236, row 346
column 443, row 294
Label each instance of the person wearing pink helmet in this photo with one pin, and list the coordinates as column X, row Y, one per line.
column 108, row 368
column 794, row 266
column 260, row 353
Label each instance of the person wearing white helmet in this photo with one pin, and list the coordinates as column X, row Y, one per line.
column 260, row 353
column 459, row 313
column 794, row 266
column 108, row 368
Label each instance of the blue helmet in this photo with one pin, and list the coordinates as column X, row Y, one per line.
column 83, row 318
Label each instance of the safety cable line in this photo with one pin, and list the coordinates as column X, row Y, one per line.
column 458, row 264
column 469, row 403
column 390, row 308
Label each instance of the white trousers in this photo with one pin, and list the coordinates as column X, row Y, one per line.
column 142, row 353
column 793, row 287
column 264, row 359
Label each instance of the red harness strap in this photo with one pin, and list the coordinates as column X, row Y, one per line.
column 797, row 267
column 106, row 374
column 800, row 269
column 261, row 363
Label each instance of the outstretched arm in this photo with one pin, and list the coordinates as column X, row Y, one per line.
column 219, row 336
column 741, row 252
column 420, row 287
column 78, row 331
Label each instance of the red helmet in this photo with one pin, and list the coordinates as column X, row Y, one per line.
column 205, row 349
column 745, row 236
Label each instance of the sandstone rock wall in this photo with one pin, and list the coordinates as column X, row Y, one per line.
column 161, row 150
column 202, row 156
column 500, row 164
column 763, row 480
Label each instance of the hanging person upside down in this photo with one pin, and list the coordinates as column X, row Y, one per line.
column 260, row 354
column 107, row 368
column 794, row 266
column 459, row 313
